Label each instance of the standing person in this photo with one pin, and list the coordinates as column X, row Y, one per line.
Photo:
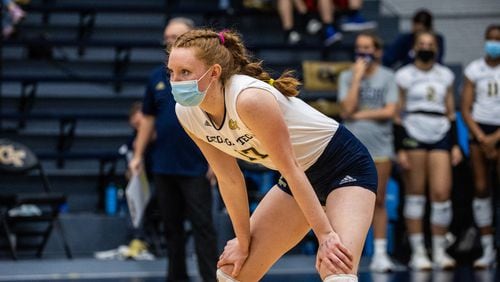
column 368, row 95
column 401, row 52
column 428, row 148
column 481, row 112
column 233, row 109
column 180, row 172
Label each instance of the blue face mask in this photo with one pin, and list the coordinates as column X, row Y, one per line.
column 492, row 48
column 187, row 92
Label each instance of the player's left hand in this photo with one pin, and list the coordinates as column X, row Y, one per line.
column 334, row 255
column 233, row 255
column 456, row 155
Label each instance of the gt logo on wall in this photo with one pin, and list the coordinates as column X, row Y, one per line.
column 10, row 156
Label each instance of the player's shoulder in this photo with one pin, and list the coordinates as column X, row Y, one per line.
column 405, row 72
column 476, row 65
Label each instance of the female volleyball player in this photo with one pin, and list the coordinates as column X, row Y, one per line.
column 481, row 112
column 233, row 109
column 428, row 147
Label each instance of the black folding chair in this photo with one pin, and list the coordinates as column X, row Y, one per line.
column 17, row 160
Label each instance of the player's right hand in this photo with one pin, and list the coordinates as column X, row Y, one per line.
column 135, row 165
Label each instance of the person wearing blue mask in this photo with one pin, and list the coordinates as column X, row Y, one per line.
column 180, row 172
column 368, row 95
column 233, row 109
column 481, row 112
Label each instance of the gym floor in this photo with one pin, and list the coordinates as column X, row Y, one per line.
column 292, row 268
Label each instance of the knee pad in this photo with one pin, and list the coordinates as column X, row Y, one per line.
column 482, row 211
column 441, row 213
column 414, row 206
column 223, row 277
column 341, row 278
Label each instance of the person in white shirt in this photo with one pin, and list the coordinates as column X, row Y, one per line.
column 232, row 109
column 481, row 112
column 427, row 148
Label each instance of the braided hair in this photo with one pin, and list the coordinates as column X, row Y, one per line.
column 226, row 48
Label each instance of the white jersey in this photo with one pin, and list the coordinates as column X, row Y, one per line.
column 486, row 107
column 425, row 91
column 310, row 131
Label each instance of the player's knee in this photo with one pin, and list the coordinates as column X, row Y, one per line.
column 441, row 213
column 341, row 278
column 414, row 207
column 482, row 211
column 223, row 277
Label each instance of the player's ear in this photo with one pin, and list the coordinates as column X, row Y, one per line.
column 216, row 71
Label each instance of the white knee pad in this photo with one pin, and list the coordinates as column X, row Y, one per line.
column 482, row 211
column 223, row 277
column 341, row 278
column 441, row 213
column 414, row 206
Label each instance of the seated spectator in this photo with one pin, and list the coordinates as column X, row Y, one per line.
column 329, row 25
column 12, row 14
column 354, row 20
column 293, row 30
column 401, row 52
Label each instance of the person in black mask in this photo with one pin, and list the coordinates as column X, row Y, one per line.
column 426, row 142
column 368, row 96
column 401, row 53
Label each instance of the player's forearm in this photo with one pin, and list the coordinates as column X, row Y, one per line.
column 233, row 192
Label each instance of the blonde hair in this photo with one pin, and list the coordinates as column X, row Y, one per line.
column 226, row 48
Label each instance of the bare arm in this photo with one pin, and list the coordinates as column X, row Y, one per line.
column 398, row 122
column 467, row 101
column 450, row 104
column 456, row 154
column 350, row 103
column 144, row 135
column 400, row 106
column 232, row 188
column 385, row 113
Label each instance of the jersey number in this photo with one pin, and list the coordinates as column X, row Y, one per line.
column 492, row 89
column 431, row 94
column 252, row 154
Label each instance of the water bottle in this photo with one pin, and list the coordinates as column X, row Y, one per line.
column 122, row 203
column 111, row 202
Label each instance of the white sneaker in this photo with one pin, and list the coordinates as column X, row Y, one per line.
column 486, row 260
column 294, row 38
column 420, row 261
column 443, row 261
column 381, row 263
column 313, row 26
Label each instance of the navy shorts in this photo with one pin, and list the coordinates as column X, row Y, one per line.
column 444, row 144
column 487, row 129
column 344, row 162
